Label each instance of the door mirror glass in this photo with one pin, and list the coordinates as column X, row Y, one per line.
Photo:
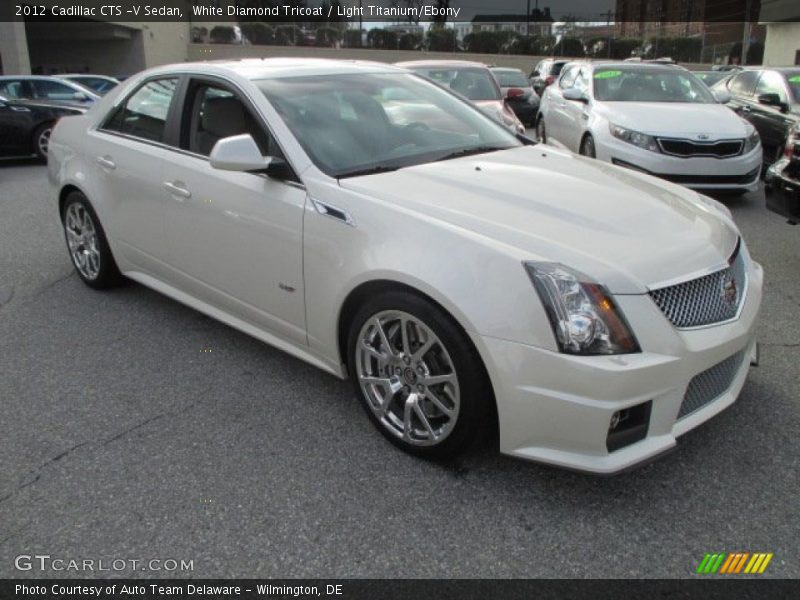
column 722, row 96
column 575, row 94
column 238, row 153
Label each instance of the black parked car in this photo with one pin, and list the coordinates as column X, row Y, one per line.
column 770, row 100
column 783, row 180
column 26, row 125
column 518, row 93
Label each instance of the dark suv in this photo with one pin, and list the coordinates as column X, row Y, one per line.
column 770, row 100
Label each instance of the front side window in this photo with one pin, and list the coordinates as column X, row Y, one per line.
column 144, row 114
column 631, row 84
column 743, row 83
column 351, row 124
column 568, row 78
column 216, row 113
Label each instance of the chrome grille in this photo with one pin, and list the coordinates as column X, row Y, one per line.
column 709, row 385
column 713, row 298
column 687, row 148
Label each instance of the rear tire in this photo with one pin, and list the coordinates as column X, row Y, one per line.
column 426, row 390
column 87, row 244
column 41, row 140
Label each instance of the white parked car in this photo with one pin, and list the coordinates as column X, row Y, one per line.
column 464, row 278
column 656, row 119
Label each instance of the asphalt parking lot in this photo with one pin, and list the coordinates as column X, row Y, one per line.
column 136, row 428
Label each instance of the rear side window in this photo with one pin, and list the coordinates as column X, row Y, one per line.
column 13, row 89
column 144, row 113
column 743, row 83
column 53, row 90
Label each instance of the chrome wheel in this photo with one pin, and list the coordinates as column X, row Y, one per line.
column 43, row 141
column 82, row 240
column 407, row 377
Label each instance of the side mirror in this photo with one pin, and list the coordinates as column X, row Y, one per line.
column 241, row 153
column 576, row 95
column 722, row 96
column 771, row 100
column 237, row 153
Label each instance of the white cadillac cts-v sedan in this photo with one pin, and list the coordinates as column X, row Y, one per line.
column 656, row 119
column 365, row 220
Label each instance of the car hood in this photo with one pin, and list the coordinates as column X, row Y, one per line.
column 629, row 231
column 672, row 119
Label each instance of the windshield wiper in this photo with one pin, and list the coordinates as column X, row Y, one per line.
column 471, row 151
column 368, row 171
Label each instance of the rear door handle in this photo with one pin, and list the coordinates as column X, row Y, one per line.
column 106, row 162
column 176, row 189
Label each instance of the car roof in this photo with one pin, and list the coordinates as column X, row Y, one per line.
column 505, row 69
column 650, row 66
column 269, row 68
column 410, row 64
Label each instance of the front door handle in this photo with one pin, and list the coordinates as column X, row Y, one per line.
column 106, row 162
column 176, row 189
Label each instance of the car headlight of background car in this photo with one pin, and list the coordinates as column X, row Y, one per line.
column 642, row 140
column 584, row 317
column 752, row 141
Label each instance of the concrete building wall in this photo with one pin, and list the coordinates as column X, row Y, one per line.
column 164, row 42
column 782, row 45
column 14, row 59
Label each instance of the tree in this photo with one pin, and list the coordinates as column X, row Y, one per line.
column 382, row 39
column 622, row 48
column 569, row 46
column 328, row 36
column 410, row 41
column 222, row 34
column 416, row 4
column 352, row 38
column 258, row 33
column 288, row 35
column 440, row 17
column 442, row 39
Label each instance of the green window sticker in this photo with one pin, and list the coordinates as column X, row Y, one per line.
column 607, row 74
column 794, row 79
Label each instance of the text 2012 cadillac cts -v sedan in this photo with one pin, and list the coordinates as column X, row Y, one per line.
column 380, row 227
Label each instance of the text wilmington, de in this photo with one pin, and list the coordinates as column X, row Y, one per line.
column 371, row 10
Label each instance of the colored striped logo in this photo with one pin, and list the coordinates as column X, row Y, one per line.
column 734, row 562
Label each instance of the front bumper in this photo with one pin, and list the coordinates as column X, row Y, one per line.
column 697, row 172
column 556, row 408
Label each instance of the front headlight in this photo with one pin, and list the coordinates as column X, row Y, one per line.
column 583, row 314
column 751, row 142
column 642, row 140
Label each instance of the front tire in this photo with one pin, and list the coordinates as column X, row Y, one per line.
column 541, row 131
column 87, row 244
column 587, row 147
column 417, row 375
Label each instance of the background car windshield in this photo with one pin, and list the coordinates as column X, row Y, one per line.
column 626, row 84
column 511, row 78
column 353, row 123
column 475, row 84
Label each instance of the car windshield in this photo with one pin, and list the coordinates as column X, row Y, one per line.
column 472, row 82
column 511, row 78
column 793, row 79
column 357, row 124
column 710, row 77
column 631, row 84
